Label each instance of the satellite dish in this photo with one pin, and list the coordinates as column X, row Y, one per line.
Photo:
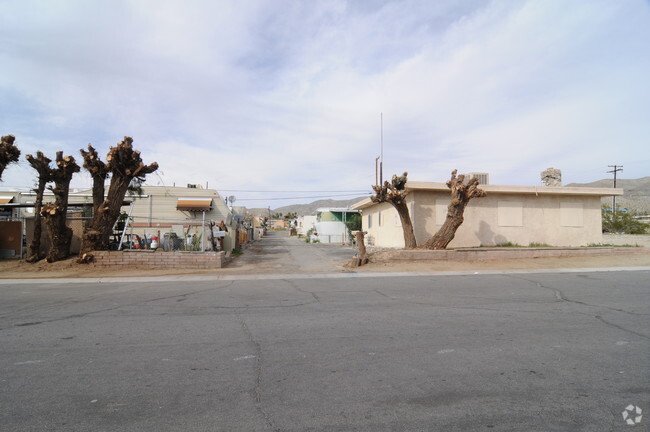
column 232, row 199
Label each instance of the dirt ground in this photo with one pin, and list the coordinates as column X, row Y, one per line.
column 14, row 269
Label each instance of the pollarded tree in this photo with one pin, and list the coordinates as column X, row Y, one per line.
column 9, row 153
column 99, row 173
column 395, row 193
column 55, row 214
column 461, row 193
column 41, row 164
column 123, row 164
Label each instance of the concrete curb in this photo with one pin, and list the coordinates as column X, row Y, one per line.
column 217, row 278
column 491, row 254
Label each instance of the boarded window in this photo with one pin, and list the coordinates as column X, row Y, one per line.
column 510, row 213
column 571, row 214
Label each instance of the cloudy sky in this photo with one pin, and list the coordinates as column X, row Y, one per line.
column 285, row 97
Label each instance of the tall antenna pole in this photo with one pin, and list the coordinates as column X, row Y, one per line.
column 381, row 163
column 616, row 169
column 377, row 170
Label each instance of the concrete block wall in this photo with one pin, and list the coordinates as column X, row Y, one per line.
column 159, row 259
column 485, row 254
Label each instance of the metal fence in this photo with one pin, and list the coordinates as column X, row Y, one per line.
column 169, row 234
column 331, row 238
column 137, row 233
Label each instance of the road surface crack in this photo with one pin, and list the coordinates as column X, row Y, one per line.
column 259, row 363
column 295, row 286
column 561, row 297
column 610, row 324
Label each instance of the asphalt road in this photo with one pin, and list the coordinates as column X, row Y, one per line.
column 516, row 352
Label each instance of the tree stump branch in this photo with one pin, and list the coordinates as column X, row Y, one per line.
column 395, row 193
column 461, row 194
column 9, row 153
column 123, row 164
column 41, row 164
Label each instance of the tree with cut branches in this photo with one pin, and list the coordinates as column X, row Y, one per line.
column 56, row 214
column 461, row 194
column 98, row 172
column 395, row 193
column 9, row 153
column 41, row 164
column 123, row 164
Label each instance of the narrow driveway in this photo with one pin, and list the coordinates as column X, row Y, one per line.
column 277, row 252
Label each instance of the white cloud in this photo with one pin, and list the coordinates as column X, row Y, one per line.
column 286, row 95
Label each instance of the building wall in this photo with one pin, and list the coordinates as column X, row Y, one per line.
column 160, row 205
column 556, row 220
column 305, row 223
column 383, row 226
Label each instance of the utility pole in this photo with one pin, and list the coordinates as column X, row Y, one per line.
column 616, row 169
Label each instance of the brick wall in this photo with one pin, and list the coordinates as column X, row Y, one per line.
column 159, row 259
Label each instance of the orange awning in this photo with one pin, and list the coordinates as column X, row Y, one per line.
column 194, row 204
column 6, row 199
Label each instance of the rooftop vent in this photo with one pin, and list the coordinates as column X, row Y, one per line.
column 483, row 178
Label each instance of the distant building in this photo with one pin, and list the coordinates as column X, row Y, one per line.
column 330, row 224
column 306, row 223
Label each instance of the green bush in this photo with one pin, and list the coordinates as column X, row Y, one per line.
column 622, row 222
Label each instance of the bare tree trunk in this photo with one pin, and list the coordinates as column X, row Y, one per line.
column 362, row 257
column 9, row 153
column 395, row 193
column 56, row 214
column 461, row 193
column 124, row 164
column 98, row 171
column 407, row 226
column 41, row 164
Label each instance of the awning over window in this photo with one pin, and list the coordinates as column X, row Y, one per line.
column 194, row 204
column 5, row 199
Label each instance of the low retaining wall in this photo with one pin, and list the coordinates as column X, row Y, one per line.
column 487, row 254
column 159, row 259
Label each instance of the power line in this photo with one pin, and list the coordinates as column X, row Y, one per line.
column 297, row 198
column 296, row 191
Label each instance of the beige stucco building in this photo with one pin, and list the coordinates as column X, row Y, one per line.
column 556, row 216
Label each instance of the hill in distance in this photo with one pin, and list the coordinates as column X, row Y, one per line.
column 635, row 198
column 305, row 209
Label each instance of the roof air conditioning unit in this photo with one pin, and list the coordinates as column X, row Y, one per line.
column 483, row 178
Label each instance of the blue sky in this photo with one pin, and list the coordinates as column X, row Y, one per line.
column 287, row 95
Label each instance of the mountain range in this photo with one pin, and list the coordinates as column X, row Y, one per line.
column 635, row 198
